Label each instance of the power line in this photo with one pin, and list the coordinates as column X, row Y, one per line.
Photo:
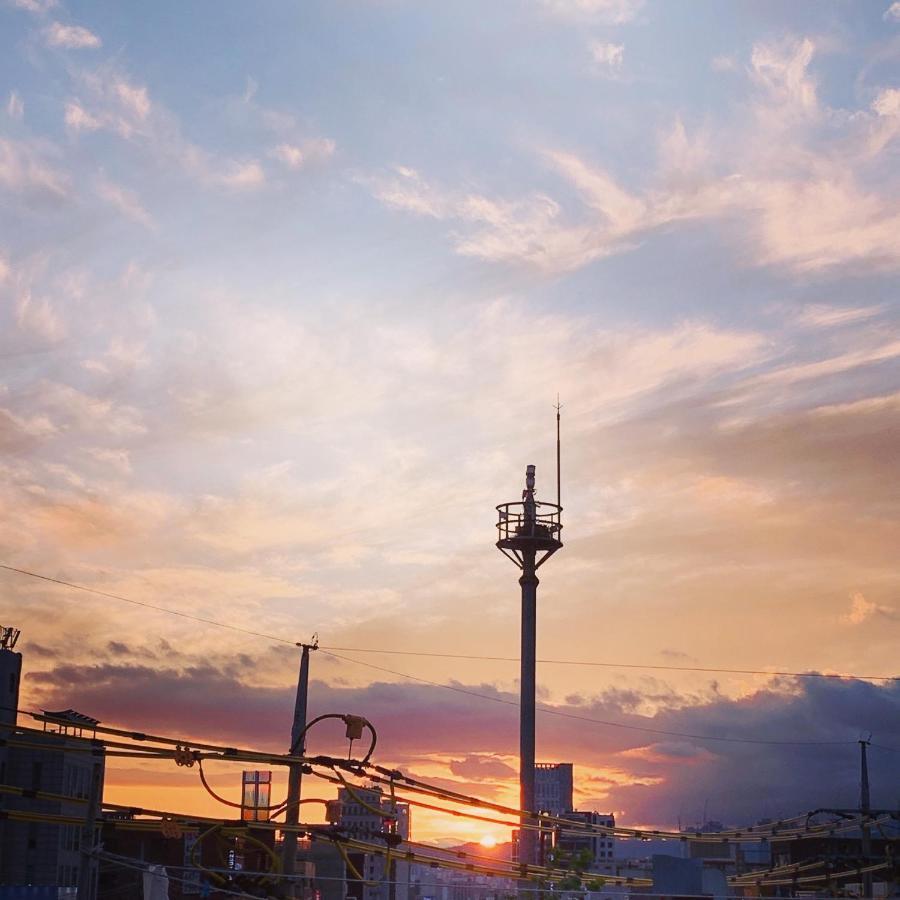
column 438, row 655
column 618, row 665
column 165, row 609
column 448, row 687
column 565, row 715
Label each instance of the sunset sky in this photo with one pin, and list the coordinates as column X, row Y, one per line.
column 287, row 294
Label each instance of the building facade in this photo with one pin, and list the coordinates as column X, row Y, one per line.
column 553, row 787
column 600, row 846
column 59, row 760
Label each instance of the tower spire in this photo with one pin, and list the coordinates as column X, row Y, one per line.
column 558, row 481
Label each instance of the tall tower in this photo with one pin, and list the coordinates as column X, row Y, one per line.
column 528, row 533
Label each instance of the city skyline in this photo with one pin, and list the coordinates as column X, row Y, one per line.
column 287, row 295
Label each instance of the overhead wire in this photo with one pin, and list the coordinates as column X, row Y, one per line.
column 153, row 606
column 566, row 715
column 376, row 773
column 614, row 665
column 757, row 833
column 441, row 655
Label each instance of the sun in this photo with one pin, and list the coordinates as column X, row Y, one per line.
column 488, row 841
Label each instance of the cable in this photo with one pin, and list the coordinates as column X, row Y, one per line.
column 437, row 655
column 618, row 665
column 565, row 715
column 165, row 609
column 752, row 833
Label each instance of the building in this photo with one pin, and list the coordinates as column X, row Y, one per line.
column 730, row 857
column 365, row 815
column 59, row 760
column 428, row 883
column 600, row 846
column 10, row 675
column 553, row 787
column 845, row 851
column 193, row 856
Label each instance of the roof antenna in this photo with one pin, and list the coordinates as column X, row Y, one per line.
column 558, row 488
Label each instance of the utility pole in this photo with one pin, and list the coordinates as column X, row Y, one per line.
column 865, row 807
column 298, row 745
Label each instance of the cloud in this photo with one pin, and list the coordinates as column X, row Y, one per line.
column 71, row 37
column 37, row 7
column 526, row 231
column 615, row 12
column 295, row 156
column 781, row 69
column 862, row 610
column 79, row 119
column 133, row 98
column 124, row 200
column 117, row 460
column 892, row 13
column 887, row 103
column 723, row 64
column 800, row 204
column 15, row 106
column 818, row 315
column 481, row 767
column 23, row 170
column 241, row 175
column 645, row 778
column 38, row 317
column 113, row 102
column 608, row 58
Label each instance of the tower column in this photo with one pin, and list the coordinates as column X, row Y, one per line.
column 529, row 583
column 529, row 533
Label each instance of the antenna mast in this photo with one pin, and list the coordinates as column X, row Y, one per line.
column 558, row 482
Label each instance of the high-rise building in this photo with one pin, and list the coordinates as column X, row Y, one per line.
column 553, row 785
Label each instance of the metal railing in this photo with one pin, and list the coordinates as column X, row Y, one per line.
column 537, row 520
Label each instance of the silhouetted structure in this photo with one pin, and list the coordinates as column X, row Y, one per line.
column 529, row 533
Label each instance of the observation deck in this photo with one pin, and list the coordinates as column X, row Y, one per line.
column 529, row 527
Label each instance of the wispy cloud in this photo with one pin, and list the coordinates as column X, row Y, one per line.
column 37, row 7
column 38, row 316
column 806, row 209
column 615, row 12
column 125, row 200
column 607, row 58
column 24, row 169
column 114, row 102
column 295, row 156
column 861, row 610
column 818, row 315
column 15, row 106
column 71, row 37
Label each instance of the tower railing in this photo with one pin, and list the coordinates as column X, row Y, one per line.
column 515, row 520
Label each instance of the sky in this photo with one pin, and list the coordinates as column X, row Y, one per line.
column 287, row 295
